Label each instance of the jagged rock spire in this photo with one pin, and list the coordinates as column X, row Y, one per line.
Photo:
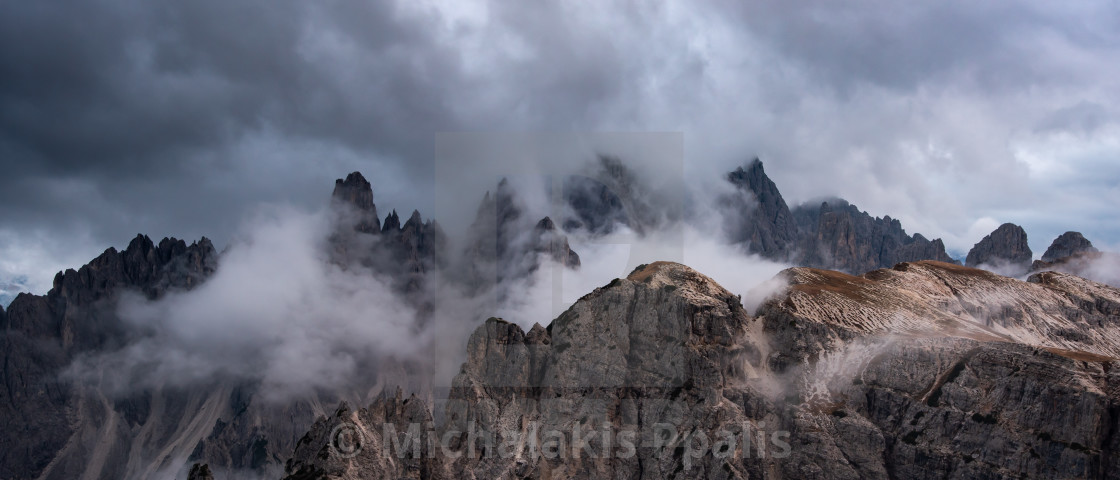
column 357, row 193
column 1007, row 244
column 765, row 225
column 392, row 223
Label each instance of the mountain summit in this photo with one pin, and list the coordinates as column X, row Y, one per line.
column 356, row 192
column 1066, row 245
column 1006, row 246
column 833, row 234
column 902, row 373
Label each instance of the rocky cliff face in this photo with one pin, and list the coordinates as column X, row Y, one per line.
column 1005, row 247
column 760, row 218
column 52, row 428
column 503, row 246
column 60, row 427
column 834, row 235
column 356, row 193
column 611, row 194
column 1066, row 245
column 838, row 236
column 402, row 253
column 928, row 370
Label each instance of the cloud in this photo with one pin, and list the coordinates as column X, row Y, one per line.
column 119, row 117
column 276, row 312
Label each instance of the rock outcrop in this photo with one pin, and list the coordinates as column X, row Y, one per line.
column 928, row 370
column 836, row 235
column 402, row 254
column 504, row 246
column 52, row 428
column 547, row 239
column 1067, row 245
column 759, row 217
column 55, row 426
column 356, row 193
column 1005, row 248
column 200, row 472
column 833, row 235
column 611, row 194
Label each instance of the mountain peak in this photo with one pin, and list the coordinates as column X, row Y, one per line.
column 753, row 175
column 766, row 226
column 546, row 224
column 678, row 278
column 356, row 192
column 1007, row 244
column 1068, row 244
column 392, row 222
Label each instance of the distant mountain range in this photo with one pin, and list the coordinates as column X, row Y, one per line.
column 876, row 356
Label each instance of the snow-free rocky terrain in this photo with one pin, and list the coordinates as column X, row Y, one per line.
column 918, row 368
column 926, row 370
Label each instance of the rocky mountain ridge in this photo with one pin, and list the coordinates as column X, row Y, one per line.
column 1005, row 247
column 948, row 359
column 1066, row 245
column 895, row 374
column 57, row 427
column 51, row 428
column 833, row 234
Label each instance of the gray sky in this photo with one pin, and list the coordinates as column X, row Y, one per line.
column 180, row 119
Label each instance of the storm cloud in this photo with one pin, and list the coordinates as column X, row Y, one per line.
column 118, row 117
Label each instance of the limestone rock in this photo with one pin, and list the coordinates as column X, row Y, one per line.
column 356, row 193
column 1068, row 244
column 200, row 471
column 833, row 235
column 612, row 194
column 547, row 239
column 47, row 425
column 928, row 370
column 503, row 245
column 760, row 218
column 836, row 235
column 1006, row 246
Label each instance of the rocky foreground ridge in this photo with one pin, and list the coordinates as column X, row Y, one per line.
column 925, row 370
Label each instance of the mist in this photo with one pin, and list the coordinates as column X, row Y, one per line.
column 283, row 314
column 276, row 311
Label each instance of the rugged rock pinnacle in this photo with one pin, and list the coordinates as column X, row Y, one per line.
column 1068, row 244
column 1006, row 246
column 357, row 193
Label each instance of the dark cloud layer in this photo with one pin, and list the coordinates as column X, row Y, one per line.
column 119, row 117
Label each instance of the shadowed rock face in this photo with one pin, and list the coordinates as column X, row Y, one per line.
column 504, row 246
column 1066, row 245
column 404, row 254
column 200, row 472
column 355, row 192
column 1007, row 245
column 547, row 239
column 52, row 428
column 764, row 224
column 928, row 370
column 833, row 235
column 611, row 194
column 838, row 236
column 57, row 429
